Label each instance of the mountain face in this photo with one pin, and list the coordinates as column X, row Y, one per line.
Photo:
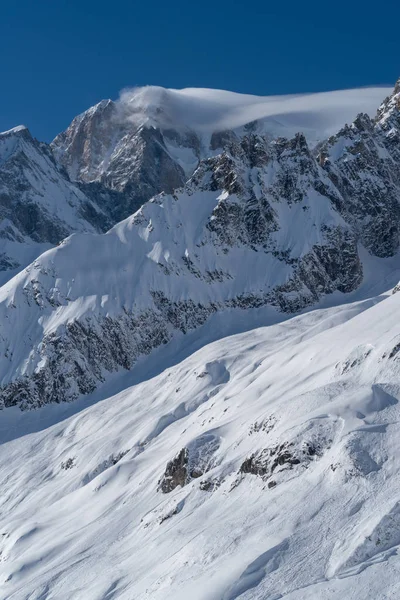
column 117, row 155
column 99, row 146
column 39, row 206
column 363, row 161
column 260, row 223
column 152, row 139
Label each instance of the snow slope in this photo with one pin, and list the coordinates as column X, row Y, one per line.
column 310, row 404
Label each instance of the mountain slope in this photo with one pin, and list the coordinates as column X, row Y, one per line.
column 262, row 466
column 363, row 161
column 97, row 303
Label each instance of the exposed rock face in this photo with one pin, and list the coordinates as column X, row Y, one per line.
column 326, row 268
column 101, row 146
column 191, row 463
column 81, row 147
column 265, row 462
column 77, row 357
column 363, row 162
column 274, row 462
column 175, row 472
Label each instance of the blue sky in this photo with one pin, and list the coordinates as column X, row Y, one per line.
column 59, row 57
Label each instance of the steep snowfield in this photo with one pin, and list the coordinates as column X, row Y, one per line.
column 205, row 110
column 310, row 404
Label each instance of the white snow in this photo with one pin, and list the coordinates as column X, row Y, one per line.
column 81, row 516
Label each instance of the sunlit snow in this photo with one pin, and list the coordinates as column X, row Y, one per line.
column 82, row 515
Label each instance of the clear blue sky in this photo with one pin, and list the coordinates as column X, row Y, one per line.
column 59, row 57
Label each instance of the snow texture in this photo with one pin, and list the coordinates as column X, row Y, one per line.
column 83, row 514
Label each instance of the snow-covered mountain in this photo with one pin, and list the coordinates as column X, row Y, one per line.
column 260, row 223
column 152, row 139
column 229, row 351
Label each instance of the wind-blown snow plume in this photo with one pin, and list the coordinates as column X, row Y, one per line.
column 206, row 110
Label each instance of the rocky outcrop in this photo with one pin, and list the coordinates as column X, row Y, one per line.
column 176, row 472
column 266, row 461
column 191, row 463
column 274, row 461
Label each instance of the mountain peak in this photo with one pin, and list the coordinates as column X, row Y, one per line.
column 388, row 113
column 98, row 108
column 19, row 129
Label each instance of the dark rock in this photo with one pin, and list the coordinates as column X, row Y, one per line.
column 176, row 472
column 191, row 463
column 68, row 464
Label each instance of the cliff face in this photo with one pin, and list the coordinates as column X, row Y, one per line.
column 363, row 162
column 134, row 160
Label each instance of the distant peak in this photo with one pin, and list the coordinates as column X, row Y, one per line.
column 15, row 130
column 100, row 107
